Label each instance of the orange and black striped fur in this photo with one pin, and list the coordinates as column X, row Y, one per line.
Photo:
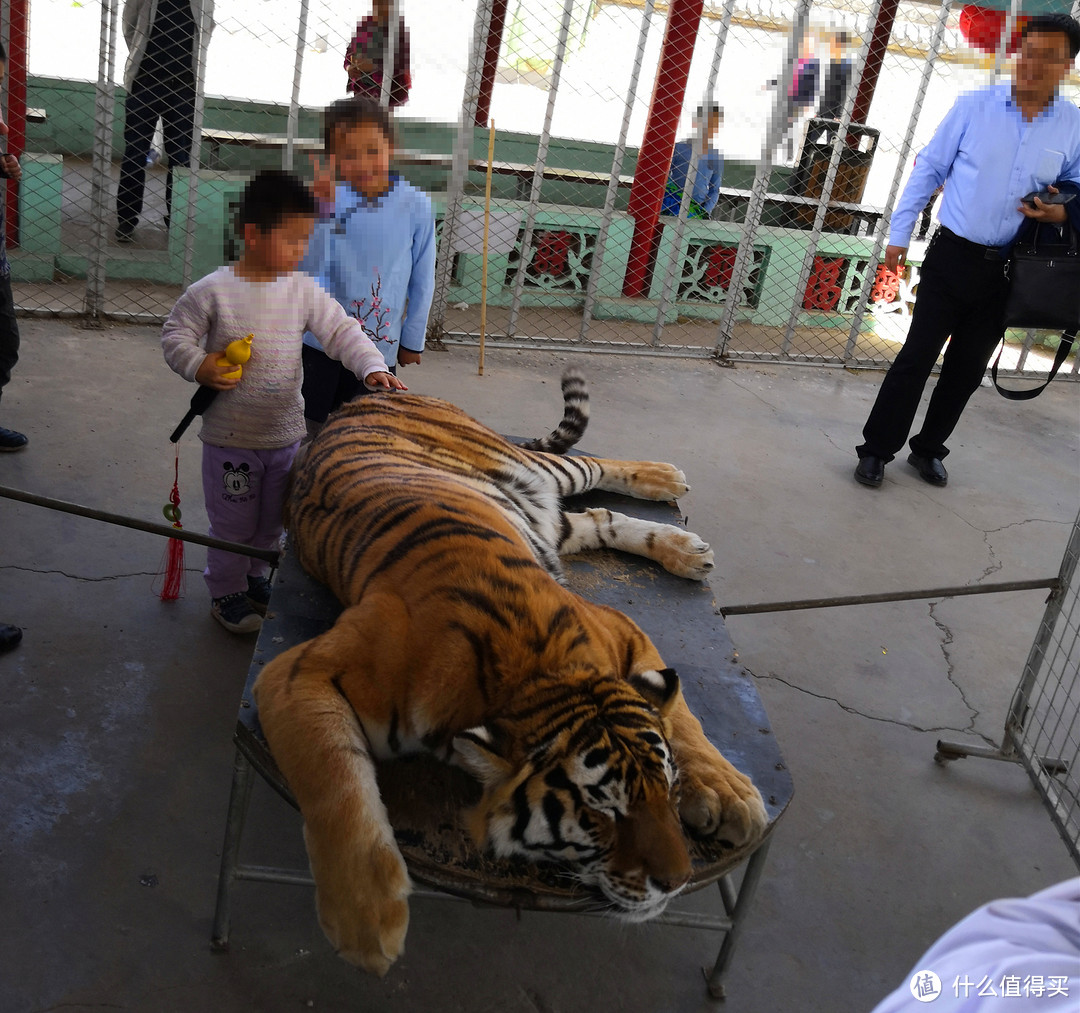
column 441, row 538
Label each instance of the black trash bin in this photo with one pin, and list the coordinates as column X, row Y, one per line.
column 808, row 177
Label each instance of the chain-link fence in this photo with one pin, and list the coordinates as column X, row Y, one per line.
column 795, row 121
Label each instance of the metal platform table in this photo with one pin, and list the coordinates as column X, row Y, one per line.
column 424, row 798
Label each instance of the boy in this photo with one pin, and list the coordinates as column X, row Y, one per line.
column 710, row 166
column 252, row 429
column 374, row 252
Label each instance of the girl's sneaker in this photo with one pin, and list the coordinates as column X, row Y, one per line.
column 235, row 613
column 258, row 593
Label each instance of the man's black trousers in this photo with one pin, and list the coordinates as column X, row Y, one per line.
column 172, row 98
column 961, row 294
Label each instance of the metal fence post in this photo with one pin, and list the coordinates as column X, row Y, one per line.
column 1006, row 34
column 882, row 229
column 691, row 174
column 444, row 261
column 538, row 170
column 839, row 143
column 389, row 55
column 756, row 205
column 616, row 170
column 205, row 26
column 101, row 176
column 288, row 154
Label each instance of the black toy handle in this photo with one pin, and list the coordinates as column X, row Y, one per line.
column 200, row 401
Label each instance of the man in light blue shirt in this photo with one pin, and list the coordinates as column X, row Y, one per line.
column 994, row 146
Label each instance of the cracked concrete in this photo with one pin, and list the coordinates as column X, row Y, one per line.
column 117, row 710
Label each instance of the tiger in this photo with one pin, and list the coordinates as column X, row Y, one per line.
column 459, row 637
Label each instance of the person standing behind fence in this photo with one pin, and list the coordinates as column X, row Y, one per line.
column 365, row 59
column 994, row 146
column 373, row 250
column 837, row 81
column 163, row 46
column 9, row 326
column 802, row 91
column 9, row 335
column 710, row 167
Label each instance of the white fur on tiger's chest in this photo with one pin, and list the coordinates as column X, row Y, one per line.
column 387, row 742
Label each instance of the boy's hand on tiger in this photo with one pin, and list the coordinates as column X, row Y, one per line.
column 407, row 357
column 324, row 185
column 210, row 374
column 384, row 381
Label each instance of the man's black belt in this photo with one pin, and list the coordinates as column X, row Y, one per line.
column 986, row 252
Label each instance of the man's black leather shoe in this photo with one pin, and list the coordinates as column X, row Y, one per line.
column 11, row 440
column 870, row 471
column 930, row 469
column 9, row 636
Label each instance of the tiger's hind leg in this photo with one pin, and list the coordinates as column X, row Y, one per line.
column 678, row 551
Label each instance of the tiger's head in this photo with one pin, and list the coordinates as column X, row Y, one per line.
column 581, row 772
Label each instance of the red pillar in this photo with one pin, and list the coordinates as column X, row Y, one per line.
column 654, row 157
column 18, row 41
column 879, row 41
column 491, row 60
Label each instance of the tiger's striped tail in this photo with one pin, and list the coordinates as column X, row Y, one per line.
column 575, row 418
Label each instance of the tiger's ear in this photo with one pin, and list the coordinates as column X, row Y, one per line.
column 658, row 687
column 475, row 751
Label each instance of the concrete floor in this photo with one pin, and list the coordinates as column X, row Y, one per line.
column 116, row 712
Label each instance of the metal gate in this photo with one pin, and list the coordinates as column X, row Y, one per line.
column 1042, row 729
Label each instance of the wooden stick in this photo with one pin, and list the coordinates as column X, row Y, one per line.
column 484, row 258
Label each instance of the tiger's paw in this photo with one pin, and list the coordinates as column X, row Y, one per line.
column 655, row 480
column 364, row 909
column 719, row 802
column 684, row 554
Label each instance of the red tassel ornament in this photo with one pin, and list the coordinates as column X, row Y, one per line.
column 172, row 586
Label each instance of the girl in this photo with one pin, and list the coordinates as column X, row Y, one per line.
column 373, row 250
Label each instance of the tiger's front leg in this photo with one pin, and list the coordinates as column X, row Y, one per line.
column 362, row 885
column 715, row 799
column 679, row 551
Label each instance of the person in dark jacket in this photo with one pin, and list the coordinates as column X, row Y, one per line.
column 837, row 81
column 163, row 39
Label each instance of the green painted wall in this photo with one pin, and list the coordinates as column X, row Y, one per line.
column 566, row 209
column 69, row 126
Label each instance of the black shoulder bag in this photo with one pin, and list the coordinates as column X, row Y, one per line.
column 1044, row 292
